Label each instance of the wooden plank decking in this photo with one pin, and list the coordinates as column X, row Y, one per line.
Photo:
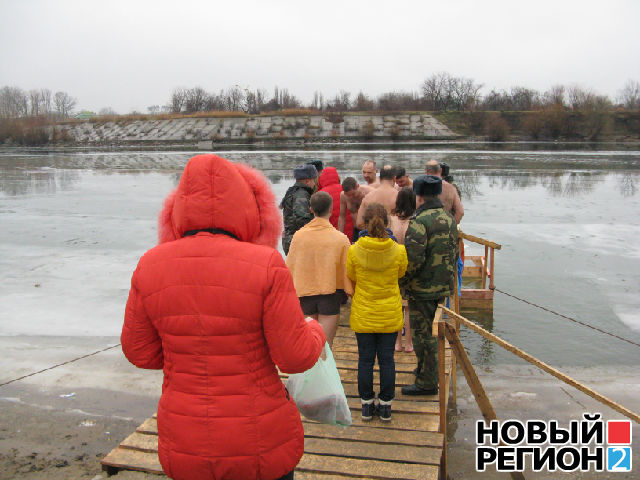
column 409, row 447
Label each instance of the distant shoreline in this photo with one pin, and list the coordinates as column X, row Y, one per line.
column 465, row 144
column 207, row 131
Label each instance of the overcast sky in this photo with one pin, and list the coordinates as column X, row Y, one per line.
column 131, row 54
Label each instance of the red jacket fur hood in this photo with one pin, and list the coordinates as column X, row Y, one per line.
column 218, row 314
column 219, row 194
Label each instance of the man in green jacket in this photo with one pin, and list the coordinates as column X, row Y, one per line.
column 432, row 249
column 295, row 204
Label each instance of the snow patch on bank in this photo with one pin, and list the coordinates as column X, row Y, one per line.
column 523, row 395
column 629, row 318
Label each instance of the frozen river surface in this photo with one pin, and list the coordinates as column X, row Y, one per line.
column 75, row 224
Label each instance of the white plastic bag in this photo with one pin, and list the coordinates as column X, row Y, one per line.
column 318, row 392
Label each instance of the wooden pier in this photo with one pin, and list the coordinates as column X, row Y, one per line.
column 409, row 447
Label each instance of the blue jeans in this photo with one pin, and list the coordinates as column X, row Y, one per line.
column 381, row 345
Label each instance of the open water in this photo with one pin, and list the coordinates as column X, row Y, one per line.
column 73, row 225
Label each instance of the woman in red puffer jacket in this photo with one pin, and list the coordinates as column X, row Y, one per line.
column 330, row 182
column 214, row 306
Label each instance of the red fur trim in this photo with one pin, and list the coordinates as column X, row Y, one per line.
column 166, row 232
column 270, row 218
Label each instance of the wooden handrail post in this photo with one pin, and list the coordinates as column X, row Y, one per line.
column 456, row 308
column 442, row 389
column 441, row 379
column 492, row 285
column 472, row 379
column 470, row 374
column 485, row 267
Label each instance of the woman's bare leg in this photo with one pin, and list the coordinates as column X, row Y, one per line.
column 408, row 341
column 329, row 325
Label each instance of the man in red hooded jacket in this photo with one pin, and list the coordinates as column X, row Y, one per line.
column 329, row 182
column 215, row 307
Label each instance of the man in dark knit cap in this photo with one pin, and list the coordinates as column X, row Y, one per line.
column 447, row 177
column 295, row 204
column 318, row 164
column 432, row 250
column 449, row 196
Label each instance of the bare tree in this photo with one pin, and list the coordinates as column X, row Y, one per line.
column 579, row 98
column 153, row 109
column 318, row 101
column 45, row 101
column 555, row 95
column 340, row 103
column 442, row 91
column 39, row 102
column 274, row 103
column 34, row 103
column 13, row 102
column 64, row 103
column 287, row 100
column 215, row 102
column 465, row 93
column 178, row 99
column 196, row 99
column 363, row 103
column 395, row 101
column 497, row 101
column 235, row 99
column 629, row 96
column 436, row 91
column 524, row 99
column 598, row 120
column 261, row 98
column 254, row 101
column 107, row 112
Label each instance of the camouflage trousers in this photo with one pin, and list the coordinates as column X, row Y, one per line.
column 286, row 243
column 421, row 313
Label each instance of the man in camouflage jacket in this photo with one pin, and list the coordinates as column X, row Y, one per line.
column 432, row 250
column 295, row 204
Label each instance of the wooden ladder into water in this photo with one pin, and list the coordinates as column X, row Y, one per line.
column 410, row 446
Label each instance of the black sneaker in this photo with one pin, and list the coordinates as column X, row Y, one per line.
column 368, row 409
column 384, row 411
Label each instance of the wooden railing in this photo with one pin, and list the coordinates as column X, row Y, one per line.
column 447, row 331
column 484, row 269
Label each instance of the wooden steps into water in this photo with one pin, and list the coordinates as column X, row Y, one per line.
column 408, row 447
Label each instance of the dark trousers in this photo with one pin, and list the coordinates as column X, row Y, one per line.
column 425, row 345
column 381, row 345
column 288, row 476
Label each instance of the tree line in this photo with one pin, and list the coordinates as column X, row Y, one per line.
column 16, row 103
column 441, row 92
column 559, row 112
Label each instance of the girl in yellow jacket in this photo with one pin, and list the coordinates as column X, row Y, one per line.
column 374, row 264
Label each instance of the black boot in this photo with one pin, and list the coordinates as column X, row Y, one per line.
column 416, row 390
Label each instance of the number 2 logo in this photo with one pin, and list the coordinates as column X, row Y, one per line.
column 619, row 459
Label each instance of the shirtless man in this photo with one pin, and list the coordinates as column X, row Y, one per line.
column 385, row 194
column 350, row 200
column 370, row 173
column 449, row 196
column 402, row 178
